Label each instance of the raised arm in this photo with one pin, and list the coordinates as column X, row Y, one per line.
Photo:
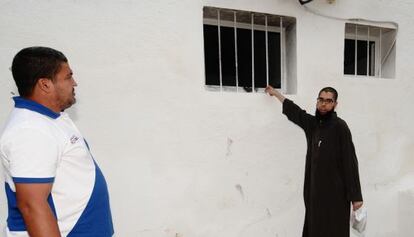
column 293, row 112
column 272, row 92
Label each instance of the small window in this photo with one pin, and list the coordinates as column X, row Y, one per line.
column 246, row 51
column 369, row 51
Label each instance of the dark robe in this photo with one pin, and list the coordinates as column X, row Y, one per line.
column 331, row 172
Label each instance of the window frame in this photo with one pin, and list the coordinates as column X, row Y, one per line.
column 366, row 39
column 381, row 53
column 240, row 25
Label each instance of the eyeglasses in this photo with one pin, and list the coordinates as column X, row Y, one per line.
column 322, row 100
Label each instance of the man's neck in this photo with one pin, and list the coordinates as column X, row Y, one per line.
column 325, row 116
column 45, row 102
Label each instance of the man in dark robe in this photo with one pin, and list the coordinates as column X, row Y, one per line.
column 331, row 172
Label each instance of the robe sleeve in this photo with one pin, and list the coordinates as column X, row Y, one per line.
column 350, row 165
column 297, row 115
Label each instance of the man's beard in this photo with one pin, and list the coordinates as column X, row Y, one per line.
column 325, row 116
column 67, row 104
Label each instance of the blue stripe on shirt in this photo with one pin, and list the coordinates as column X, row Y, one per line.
column 33, row 180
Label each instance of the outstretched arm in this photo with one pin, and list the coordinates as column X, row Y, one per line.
column 291, row 110
column 272, row 92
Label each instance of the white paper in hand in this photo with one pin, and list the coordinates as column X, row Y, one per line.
column 359, row 221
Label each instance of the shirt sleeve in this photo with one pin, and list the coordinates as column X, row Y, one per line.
column 32, row 155
column 350, row 165
column 297, row 115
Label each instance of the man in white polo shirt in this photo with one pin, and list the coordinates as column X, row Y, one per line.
column 53, row 185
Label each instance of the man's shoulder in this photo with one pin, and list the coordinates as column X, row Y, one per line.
column 24, row 120
column 341, row 124
column 340, row 121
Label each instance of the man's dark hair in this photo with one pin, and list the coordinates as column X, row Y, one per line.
column 329, row 89
column 33, row 63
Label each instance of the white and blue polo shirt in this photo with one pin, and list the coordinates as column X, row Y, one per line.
column 41, row 146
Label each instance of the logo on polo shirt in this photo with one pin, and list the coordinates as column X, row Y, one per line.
column 74, row 139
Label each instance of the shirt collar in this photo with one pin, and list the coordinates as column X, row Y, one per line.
column 20, row 102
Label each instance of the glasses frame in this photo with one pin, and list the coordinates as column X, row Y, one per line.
column 323, row 100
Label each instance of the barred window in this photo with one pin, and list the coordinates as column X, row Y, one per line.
column 246, row 51
column 369, row 51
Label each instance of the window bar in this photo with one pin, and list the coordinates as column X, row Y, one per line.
column 368, row 74
column 252, row 24
column 356, row 46
column 219, row 48
column 282, row 55
column 380, row 53
column 235, row 51
column 373, row 56
column 267, row 51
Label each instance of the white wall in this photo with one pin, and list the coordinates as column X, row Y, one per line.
column 183, row 161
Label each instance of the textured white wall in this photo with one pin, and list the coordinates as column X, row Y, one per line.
column 183, row 161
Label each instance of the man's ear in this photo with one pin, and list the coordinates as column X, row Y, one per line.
column 44, row 84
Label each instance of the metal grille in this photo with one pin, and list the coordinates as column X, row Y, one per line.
column 264, row 60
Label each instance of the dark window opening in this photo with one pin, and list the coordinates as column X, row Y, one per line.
column 362, row 57
column 244, row 57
